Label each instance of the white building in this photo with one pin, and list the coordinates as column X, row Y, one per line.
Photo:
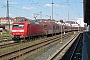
column 80, row 21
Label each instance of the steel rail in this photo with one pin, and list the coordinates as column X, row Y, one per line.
column 16, row 53
column 61, row 51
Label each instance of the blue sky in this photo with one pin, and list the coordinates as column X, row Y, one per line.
column 27, row 8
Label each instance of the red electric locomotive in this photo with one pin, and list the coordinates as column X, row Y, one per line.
column 26, row 29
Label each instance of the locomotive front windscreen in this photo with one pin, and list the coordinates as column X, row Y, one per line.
column 18, row 25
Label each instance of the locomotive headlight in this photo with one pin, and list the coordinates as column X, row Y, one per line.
column 21, row 36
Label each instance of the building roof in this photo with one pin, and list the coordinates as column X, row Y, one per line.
column 5, row 18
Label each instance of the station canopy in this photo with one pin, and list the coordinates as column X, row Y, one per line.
column 86, row 4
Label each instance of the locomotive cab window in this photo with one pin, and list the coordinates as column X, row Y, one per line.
column 18, row 25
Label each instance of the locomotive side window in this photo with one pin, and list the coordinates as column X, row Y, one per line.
column 15, row 25
column 21, row 25
column 18, row 25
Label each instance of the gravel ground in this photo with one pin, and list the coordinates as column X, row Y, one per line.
column 52, row 50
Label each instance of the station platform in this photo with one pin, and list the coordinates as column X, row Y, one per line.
column 86, row 46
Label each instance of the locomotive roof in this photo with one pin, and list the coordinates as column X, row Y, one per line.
column 31, row 21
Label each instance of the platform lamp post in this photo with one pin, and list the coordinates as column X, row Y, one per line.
column 61, row 31
column 52, row 16
column 74, row 28
column 64, row 26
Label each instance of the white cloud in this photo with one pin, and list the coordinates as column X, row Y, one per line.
column 56, row 5
column 27, row 8
column 48, row 5
column 63, row 6
column 13, row 3
column 10, row 14
column 33, row 8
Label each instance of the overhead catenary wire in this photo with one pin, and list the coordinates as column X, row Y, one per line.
column 31, row 2
column 44, row 7
column 4, row 6
column 62, row 3
column 72, row 9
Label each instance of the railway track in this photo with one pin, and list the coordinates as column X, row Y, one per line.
column 76, row 54
column 5, row 40
column 60, row 52
column 9, row 43
column 75, row 51
column 28, row 49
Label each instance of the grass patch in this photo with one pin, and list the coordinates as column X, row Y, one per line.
column 5, row 35
column 21, row 45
